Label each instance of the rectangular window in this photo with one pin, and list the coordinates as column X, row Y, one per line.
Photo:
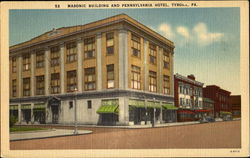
column 71, row 52
column 89, row 104
column 90, row 78
column 136, row 46
column 89, row 48
column 26, row 62
column 166, row 84
column 71, row 81
column 26, row 86
column 135, row 77
column 152, row 81
column 13, row 64
column 110, row 43
column 39, row 85
column 152, row 53
column 39, row 59
column 165, row 59
column 14, row 88
column 110, row 76
column 55, row 83
column 54, row 56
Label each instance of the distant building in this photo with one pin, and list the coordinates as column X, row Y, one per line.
column 235, row 103
column 119, row 71
column 208, row 104
column 220, row 98
column 188, row 97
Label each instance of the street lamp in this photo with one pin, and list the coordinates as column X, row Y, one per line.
column 153, row 123
column 75, row 130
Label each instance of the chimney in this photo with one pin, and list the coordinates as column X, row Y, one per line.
column 191, row 77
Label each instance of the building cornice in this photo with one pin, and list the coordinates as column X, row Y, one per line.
column 89, row 27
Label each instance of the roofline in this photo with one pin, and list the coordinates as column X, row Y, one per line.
column 188, row 79
column 219, row 88
column 123, row 17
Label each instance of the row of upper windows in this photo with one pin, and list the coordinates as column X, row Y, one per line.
column 71, row 53
column 189, row 102
column 190, row 91
column 90, row 81
column 89, row 53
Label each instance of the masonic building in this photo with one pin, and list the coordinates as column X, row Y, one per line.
column 114, row 71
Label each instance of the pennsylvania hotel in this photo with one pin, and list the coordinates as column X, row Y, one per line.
column 114, row 71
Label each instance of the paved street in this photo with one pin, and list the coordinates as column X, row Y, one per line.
column 208, row 135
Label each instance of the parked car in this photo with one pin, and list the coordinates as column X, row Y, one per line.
column 210, row 119
column 227, row 118
column 218, row 119
column 203, row 120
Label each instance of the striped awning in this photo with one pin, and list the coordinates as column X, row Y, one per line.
column 109, row 107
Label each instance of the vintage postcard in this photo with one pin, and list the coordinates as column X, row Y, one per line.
column 125, row 79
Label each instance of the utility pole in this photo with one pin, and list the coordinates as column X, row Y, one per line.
column 75, row 130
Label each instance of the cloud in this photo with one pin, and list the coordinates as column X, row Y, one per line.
column 166, row 30
column 204, row 37
column 183, row 31
column 183, row 36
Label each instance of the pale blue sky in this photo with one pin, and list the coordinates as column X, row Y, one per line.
column 207, row 40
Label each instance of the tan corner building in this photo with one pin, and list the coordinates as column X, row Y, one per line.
column 116, row 71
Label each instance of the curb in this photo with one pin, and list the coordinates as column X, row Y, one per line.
column 20, row 139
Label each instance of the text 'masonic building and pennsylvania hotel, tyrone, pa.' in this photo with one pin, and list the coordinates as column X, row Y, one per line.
column 119, row 71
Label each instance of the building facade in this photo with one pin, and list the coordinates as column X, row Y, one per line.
column 208, row 105
column 188, row 97
column 235, row 103
column 220, row 98
column 114, row 71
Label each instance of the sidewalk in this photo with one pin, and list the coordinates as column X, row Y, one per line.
column 127, row 127
column 45, row 134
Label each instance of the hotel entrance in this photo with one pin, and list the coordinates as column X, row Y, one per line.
column 109, row 112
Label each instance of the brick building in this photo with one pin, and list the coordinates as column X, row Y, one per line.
column 220, row 98
column 188, row 97
column 118, row 71
column 235, row 103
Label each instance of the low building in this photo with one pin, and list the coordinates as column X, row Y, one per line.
column 220, row 98
column 114, row 71
column 208, row 105
column 235, row 103
column 188, row 97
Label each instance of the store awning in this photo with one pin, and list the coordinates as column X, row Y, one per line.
column 185, row 112
column 169, row 107
column 39, row 106
column 202, row 110
column 107, row 109
column 136, row 103
column 151, row 104
column 13, row 107
column 225, row 113
column 26, row 106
